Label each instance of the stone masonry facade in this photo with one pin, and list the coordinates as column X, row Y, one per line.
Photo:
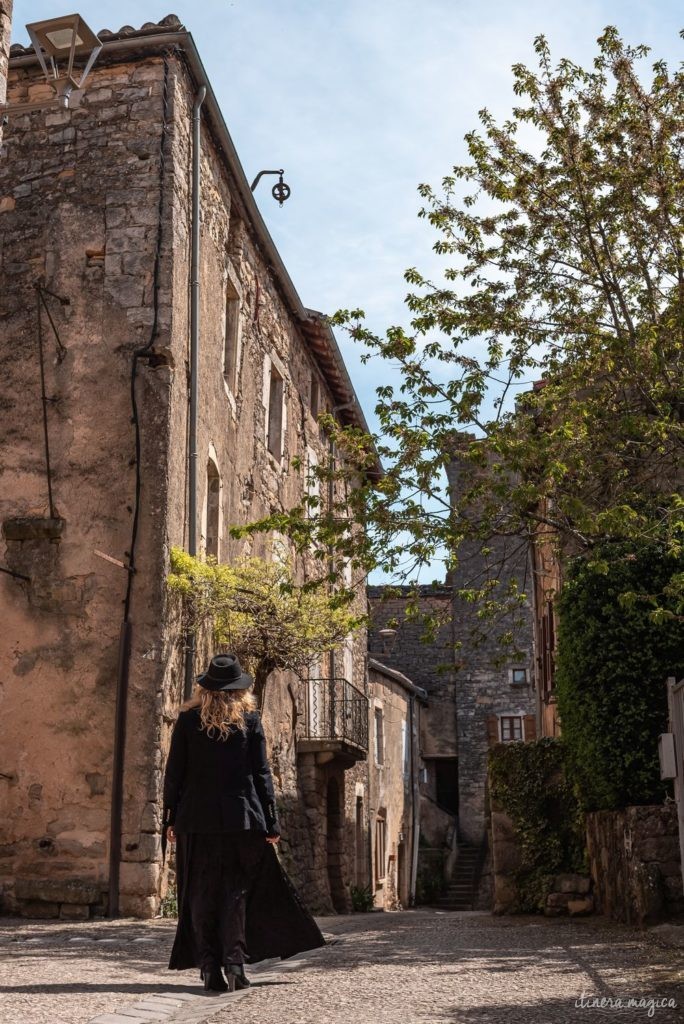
column 431, row 667
column 635, row 863
column 5, row 34
column 84, row 249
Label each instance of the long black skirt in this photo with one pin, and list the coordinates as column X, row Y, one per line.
column 236, row 903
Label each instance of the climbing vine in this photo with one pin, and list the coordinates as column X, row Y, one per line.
column 620, row 635
column 529, row 782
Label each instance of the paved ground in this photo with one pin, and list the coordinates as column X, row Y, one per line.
column 413, row 967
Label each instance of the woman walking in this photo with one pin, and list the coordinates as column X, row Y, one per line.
column 235, row 901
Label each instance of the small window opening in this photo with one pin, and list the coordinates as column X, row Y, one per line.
column 275, row 414
column 380, row 847
column 230, row 344
column 314, row 396
column 379, row 737
column 213, row 509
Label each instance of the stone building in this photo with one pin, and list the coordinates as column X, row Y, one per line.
column 97, row 305
column 430, row 667
column 394, row 765
column 478, row 695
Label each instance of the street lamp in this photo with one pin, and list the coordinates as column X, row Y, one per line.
column 388, row 636
column 57, row 43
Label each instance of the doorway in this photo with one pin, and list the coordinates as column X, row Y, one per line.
column 334, row 846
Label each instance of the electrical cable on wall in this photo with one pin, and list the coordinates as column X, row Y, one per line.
column 41, row 292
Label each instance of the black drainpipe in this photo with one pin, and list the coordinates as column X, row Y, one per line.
column 194, row 365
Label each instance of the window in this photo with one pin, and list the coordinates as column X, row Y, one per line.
column 348, row 659
column 313, row 484
column 405, row 748
column 359, row 844
column 518, row 677
column 275, row 414
column 314, row 396
column 379, row 738
column 231, row 336
column 213, row 509
column 380, row 844
column 511, row 728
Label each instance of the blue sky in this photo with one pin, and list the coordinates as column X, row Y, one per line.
column 360, row 101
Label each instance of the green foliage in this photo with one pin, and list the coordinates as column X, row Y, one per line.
column 430, row 885
column 620, row 636
column 362, row 899
column 553, row 336
column 529, row 782
column 169, row 905
column 257, row 610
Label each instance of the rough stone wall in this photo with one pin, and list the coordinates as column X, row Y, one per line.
column 232, row 430
column 484, row 686
column 429, row 665
column 5, row 34
column 390, row 791
column 467, row 700
column 78, row 192
column 78, row 209
column 635, row 863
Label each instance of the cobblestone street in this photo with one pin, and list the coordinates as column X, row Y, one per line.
column 415, row 967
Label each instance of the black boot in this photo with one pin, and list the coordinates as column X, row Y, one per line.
column 237, row 971
column 213, row 980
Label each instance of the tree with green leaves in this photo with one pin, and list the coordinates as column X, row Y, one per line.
column 547, row 357
column 256, row 609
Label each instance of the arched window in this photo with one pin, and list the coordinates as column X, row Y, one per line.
column 213, row 509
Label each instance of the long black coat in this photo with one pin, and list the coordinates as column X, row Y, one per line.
column 212, row 785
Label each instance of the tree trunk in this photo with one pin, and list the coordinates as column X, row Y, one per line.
column 261, row 674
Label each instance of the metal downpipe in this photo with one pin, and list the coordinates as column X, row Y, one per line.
column 194, row 362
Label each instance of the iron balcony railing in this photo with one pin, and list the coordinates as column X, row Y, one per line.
column 336, row 710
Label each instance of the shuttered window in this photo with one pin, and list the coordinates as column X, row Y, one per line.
column 511, row 728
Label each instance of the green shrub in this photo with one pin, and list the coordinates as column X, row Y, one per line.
column 169, row 904
column 430, row 880
column 362, row 898
column 529, row 782
column 619, row 637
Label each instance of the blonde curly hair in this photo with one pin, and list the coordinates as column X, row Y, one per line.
column 222, row 711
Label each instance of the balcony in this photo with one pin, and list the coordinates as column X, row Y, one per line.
column 334, row 721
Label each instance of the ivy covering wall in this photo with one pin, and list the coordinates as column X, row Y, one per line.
column 528, row 781
column 620, row 635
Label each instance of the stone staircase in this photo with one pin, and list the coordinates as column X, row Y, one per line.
column 461, row 891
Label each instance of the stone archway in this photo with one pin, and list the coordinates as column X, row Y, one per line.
column 334, row 824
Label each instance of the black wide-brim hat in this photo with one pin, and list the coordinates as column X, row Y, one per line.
column 225, row 673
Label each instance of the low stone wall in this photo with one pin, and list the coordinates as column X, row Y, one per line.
column 635, row 863
column 565, row 893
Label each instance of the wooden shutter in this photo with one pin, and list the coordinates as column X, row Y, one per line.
column 492, row 730
column 529, row 728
